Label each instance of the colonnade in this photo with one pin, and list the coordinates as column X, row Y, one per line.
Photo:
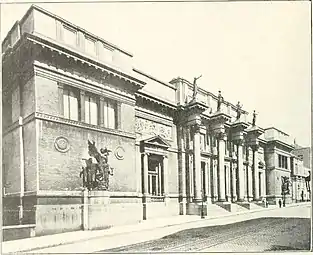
column 229, row 179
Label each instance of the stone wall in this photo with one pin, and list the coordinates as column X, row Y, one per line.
column 60, row 170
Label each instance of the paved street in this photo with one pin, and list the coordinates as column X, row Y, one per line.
column 275, row 229
column 256, row 235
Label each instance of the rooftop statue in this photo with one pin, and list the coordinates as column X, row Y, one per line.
column 220, row 100
column 254, row 118
column 97, row 170
column 238, row 110
column 195, row 88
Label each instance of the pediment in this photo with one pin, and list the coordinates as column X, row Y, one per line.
column 156, row 141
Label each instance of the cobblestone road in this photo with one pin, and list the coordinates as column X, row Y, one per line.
column 291, row 232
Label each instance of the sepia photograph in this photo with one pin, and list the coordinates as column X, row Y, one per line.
column 156, row 127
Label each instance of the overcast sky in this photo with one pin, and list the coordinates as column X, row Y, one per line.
column 255, row 52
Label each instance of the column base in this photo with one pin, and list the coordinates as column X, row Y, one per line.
column 183, row 206
column 196, row 209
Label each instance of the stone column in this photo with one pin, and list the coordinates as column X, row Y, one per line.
column 145, row 174
column 263, row 187
column 233, row 182
column 240, row 171
column 165, row 177
column 197, row 163
column 214, row 180
column 208, row 182
column 249, row 182
column 228, row 183
column 255, row 173
column 182, row 172
column 145, row 184
column 221, row 170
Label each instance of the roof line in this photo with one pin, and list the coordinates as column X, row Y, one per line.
column 36, row 7
column 153, row 78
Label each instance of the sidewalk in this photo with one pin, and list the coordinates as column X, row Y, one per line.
column 44, row 242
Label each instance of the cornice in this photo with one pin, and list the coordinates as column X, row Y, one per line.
column 58, row 75
column 76, row 55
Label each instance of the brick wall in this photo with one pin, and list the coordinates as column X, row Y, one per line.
column 60, row 171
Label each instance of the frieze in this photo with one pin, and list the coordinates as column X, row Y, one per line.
column 82, row 125
column 144, row 126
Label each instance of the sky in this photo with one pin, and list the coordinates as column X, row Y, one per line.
column 257, row 53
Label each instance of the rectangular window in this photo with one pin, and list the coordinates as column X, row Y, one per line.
column 90, row 46
column 109, row 112
column 282, row 161
column 70, row 104
column 155, row 177
column 91, row 110
column 69, row 36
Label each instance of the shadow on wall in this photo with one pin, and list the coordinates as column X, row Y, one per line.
column 263, row 234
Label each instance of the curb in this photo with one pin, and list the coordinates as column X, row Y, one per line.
column 155, row 227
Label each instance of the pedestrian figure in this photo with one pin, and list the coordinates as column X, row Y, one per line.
column 284, row 203
column 279, row 202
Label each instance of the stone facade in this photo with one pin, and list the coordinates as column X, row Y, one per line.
column 171, row 153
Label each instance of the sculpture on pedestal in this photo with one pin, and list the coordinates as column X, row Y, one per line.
column 220, row 100
column 96, row 173
column 285, row 187
column 254, row 118
column 195, row 88
column 239, row 106
column 307, row 182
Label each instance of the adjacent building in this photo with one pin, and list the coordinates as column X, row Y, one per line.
column 174, row 149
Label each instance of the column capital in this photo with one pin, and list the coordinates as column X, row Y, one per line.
column 164, row 156
column 195, row 128
column 221, row 136
column 82, row 92
column 239, row 142
column 146, row 153
column 255, row 147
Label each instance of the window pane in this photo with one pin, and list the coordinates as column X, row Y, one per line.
column 66, row 112
column 73, row 106
column 111, row 115
column 87, row 110
column 69, row 36
column 93, row 111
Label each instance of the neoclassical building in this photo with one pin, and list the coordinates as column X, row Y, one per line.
column 174, row 148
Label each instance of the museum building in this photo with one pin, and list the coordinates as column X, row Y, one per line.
column 89, row 141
